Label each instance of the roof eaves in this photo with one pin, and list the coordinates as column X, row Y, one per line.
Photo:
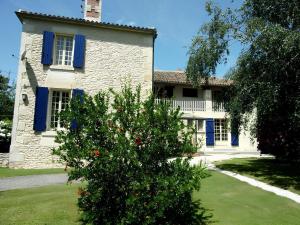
column 77, row 21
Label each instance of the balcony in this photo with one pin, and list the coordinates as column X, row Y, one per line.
column 194, row 105
column 186, row 105
column 218, row 106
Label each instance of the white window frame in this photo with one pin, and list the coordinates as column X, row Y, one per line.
column 49, row 114
column 201, row 127
column 222, row 130
column 64, row 49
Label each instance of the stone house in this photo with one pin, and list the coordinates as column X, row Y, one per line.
column 61, row 57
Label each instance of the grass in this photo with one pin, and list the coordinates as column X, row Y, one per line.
column 40, row 206
column 7, row 172
column 277, row 173
column 231, row 201
column 236, row 203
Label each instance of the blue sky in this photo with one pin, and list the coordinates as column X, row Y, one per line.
column 176, row 21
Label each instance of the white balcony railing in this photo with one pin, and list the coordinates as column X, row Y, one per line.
column 218, row 106
column 186, row 105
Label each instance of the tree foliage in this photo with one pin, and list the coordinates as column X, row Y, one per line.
column 266, row 76
column 6, row 98
column 122, row 147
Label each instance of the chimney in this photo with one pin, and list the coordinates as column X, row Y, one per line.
column 92, row 10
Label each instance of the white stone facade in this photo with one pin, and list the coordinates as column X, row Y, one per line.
column 111, row 56
column 204, row 100
column 4, row 159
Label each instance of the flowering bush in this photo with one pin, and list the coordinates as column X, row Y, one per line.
column 5, row 135
column 122, row 148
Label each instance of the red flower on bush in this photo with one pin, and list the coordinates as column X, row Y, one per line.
column 138, row 141
column 97, row 153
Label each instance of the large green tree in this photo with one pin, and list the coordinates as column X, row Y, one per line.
column 266, row 76
column 6, row 98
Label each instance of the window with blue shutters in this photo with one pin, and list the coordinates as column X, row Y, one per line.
column 41, row 106
column 221, row 131
column 63, row 50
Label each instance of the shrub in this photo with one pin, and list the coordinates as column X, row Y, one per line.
column 129, row 153
column 5, row 135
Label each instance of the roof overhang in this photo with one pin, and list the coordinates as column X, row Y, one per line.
column 81, row 22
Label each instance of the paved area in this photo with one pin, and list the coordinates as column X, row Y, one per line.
column 21, row 182
column 208, row 160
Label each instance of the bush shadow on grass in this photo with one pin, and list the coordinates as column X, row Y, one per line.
column 278, row 173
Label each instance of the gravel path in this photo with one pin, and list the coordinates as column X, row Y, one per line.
column 21, row 182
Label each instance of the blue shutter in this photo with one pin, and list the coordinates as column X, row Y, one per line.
column 79, row 93
column 79, row 51
column 210, row 132
column 76, row 93
column 47, row 52
column 234, row 137
column 41, row 106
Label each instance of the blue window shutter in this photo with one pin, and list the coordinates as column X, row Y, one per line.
column 210, row 132
column 47, row 52
column 79, row 51
column 41, row 106
column 78, row 92
column 75, row 94
column 234, row 137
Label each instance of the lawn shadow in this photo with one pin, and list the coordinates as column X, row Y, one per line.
column 275, row 172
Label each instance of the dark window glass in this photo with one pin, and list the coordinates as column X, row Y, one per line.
column 189, row 92
column 165, row 92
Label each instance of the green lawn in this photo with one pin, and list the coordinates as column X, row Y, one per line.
column 236, row 203
column 7, row 172
column 231, row 202
column 268, row 170
column 40, row 206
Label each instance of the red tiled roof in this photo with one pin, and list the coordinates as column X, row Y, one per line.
column 179, row 77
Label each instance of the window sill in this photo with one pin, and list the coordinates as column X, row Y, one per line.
column 49, row 133
column 61, row 67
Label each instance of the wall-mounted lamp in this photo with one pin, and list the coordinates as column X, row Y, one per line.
column 24, row 97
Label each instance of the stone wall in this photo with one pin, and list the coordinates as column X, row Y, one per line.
column 111, row 57
column 4, row 159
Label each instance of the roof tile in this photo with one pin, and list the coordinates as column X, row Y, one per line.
column 179, row 77
column 25, row 14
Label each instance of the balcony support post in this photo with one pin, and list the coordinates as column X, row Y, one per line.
column 208, row 100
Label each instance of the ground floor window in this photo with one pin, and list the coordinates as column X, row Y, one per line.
column 221, row 130
column 200, row 125
column 59, row 101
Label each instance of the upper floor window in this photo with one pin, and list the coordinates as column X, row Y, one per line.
column 190, row 92
column 63, row 50
column 59, row 102
column 164, row 92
